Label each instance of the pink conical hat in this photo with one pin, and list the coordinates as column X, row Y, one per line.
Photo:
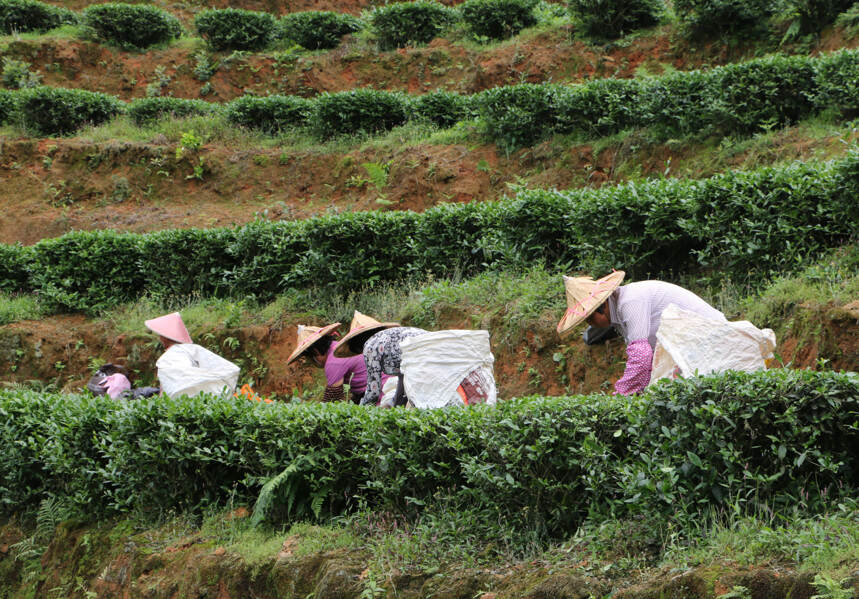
column 170, row 326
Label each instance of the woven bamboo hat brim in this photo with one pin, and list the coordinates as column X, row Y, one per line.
column 307, row 336
column 361, row 325
column 584, row 295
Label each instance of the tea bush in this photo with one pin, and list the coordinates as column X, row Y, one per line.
column 440, row 107
column 498, row 19
column 317, row 30
column 57, row 111
column 8, row 105
column 518, row 115
column 235, row 29
column 146, row 111
column 740, row 439
column 405, row 23
column 602, row 107
column 14, row 261
column 357, row 111
column 131, row 25
column 837, row 83
column 743, row 224
column 610, row 19
column 271, row 114
column 702, row 19
column 30, row 15
column 811, row 16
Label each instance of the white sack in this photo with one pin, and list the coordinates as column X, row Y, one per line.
column 434, row 364
column 189, row 369
column 690, row 344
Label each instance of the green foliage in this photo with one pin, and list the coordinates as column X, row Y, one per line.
column 440, row 107
column 498, row 19
column 317, row 30
column 8, row 106
column 736, row 439
column 271, row 114
column 602, row 107
column 30, row 15
column 131, row 25
column 14, row 261
column 811, row 16
column 405, row 23
column 838, row 83
column 146, row 111
column 743, row 224
column 19, row 307
column 59, row 111
column 610, row 19
column 235, row 29
column 518, row 115
column 358, row 111
column 703, row 19
column 16, row 74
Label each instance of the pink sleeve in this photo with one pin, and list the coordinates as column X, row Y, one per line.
column 115, row 384
column 639, row 363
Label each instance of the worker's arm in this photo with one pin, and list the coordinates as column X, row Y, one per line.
column 374, row 380
column 639, row 364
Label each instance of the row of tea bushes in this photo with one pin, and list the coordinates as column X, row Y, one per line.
column 139, row 26
column 735, row 439
column 739, row 224
column 740, row 99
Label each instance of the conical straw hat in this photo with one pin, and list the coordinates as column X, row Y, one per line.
column 361, row 324
column 170, row 326
column 307, row 336
column 584, row 295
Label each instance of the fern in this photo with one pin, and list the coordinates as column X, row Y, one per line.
column 270, row 492
column 29, row 551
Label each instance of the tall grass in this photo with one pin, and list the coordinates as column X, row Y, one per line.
column 19, row 307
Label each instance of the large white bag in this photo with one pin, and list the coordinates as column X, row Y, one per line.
column 687, row 343
column 189, row 369
column 434, row 365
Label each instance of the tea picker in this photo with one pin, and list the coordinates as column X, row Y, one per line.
column 669, row 331
column 186, row 368
column 379, row 343
column 316, row 345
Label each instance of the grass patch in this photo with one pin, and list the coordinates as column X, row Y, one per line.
column 834, row 279
column 19, row 307
column 199, row 314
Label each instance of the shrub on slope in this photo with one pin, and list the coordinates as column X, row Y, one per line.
column 135, row 26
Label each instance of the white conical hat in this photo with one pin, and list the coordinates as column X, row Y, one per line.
column 307, row 336
column 584, row 295
column 361, row 323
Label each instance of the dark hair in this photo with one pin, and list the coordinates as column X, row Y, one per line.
column 602, row 307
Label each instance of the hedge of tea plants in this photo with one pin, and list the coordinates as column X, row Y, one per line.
column 770, row 438
column 742, row 224
column 737, row 99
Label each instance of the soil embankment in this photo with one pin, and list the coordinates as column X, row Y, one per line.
column 110, row 561
column 62, row 350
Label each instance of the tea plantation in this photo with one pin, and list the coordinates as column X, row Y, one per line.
column 257, row 164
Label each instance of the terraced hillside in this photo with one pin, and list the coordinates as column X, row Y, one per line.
column 440, row 165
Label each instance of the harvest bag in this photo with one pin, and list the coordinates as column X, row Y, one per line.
column 189, row 369
column 687, row 343
column 435, row 364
